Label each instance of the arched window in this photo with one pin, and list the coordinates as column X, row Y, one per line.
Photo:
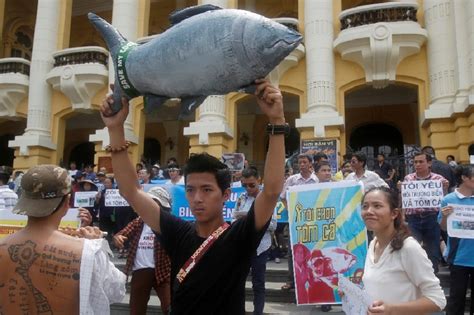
column 23, row 44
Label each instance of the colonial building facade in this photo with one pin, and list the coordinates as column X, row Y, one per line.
column 378, row 76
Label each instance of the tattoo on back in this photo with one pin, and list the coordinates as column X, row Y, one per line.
column 25, row 254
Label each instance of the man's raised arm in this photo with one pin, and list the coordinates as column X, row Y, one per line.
column 270, row 100
column 124, row 170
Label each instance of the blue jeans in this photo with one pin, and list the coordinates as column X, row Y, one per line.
column 425, row 228
column 259, row 266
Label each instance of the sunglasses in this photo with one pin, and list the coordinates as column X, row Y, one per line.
column 249, row 185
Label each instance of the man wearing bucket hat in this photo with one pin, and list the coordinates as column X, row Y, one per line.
column 147, row 260
column 47, row 271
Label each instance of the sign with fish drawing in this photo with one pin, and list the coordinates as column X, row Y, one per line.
column 328, row 238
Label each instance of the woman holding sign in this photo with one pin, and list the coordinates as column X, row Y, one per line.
column 460, row 250
column 398, row 275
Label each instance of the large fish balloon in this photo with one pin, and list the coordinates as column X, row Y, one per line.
column 207, row 51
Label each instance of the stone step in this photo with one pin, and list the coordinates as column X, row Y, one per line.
column 270, row 308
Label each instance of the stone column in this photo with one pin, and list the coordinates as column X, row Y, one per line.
column 461, row 33
column 2, row 22
column 470, row 30
column 211, row 114
column 321, row 95
column 38, row 126
column 251, row 5
column 441, row 49
column 125, row 19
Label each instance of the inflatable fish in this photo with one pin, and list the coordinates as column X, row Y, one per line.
column 207, row 51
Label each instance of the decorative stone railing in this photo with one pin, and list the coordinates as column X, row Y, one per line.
column 288, row 22
column 14, row 82
column 81, row 55
column 79, row 73
column 375, row 13
column 378, row 37
column 15, row 65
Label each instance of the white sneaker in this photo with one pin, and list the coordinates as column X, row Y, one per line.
column 277, row 260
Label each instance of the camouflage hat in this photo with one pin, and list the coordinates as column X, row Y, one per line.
column 43, row 188
column 161, row 195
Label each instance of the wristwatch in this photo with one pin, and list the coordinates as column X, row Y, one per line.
column 278, row 129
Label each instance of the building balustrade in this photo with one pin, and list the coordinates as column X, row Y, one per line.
column 15, row 65
column 81, row 55
column 378, row 37
column 383, row 12
column 79, row 73
column 14, row 83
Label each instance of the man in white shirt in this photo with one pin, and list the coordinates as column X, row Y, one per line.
column 8, row 196
column 368, row 178
column 304, row 177
column 46, row 271
column 250, row 181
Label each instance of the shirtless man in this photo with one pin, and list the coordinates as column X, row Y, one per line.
column 45, row 271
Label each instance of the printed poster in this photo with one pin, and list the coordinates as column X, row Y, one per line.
column 234, row 161
column 84, row 198
column 328, row 147
column 113, row 198
column 461, row 222
column 328, row 237
column 355, row 301
column 10, row 222
column 422, row 194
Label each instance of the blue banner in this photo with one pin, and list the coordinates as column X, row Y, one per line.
column 180, row 206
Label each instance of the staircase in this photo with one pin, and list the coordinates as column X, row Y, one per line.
column 276, row 302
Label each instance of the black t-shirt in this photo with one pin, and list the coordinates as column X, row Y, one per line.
column 382, row 170
column 216, row 285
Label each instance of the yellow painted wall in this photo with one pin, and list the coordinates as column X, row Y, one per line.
column 448, row 136
column 84, row 34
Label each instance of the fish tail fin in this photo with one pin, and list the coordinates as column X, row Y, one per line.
column 109, row 33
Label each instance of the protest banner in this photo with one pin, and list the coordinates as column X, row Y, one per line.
column 113, row 198
column 328, row 147
column 422, row 194
column 461, row 222
column 84, row 198
column 180, row 206
column 328, row 238
column 234, row 161
column 10, row 222
column 355, row 300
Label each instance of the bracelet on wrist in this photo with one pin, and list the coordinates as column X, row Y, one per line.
column 121, row 148
column 273, row 129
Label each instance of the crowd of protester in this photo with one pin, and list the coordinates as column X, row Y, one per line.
column 405, row 246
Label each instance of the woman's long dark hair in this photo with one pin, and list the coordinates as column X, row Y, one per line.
column 401, row 228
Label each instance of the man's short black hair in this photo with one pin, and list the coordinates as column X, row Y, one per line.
column 428, row 156
column 306, row 156
column 205, row 163
column 318, row 156
column 429, row 150
column 317, row 166
column 250, row 171
column 360, row 156
column 4, row 178
column 381, row 154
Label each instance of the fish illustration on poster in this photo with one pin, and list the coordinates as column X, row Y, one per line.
column 328, row 237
